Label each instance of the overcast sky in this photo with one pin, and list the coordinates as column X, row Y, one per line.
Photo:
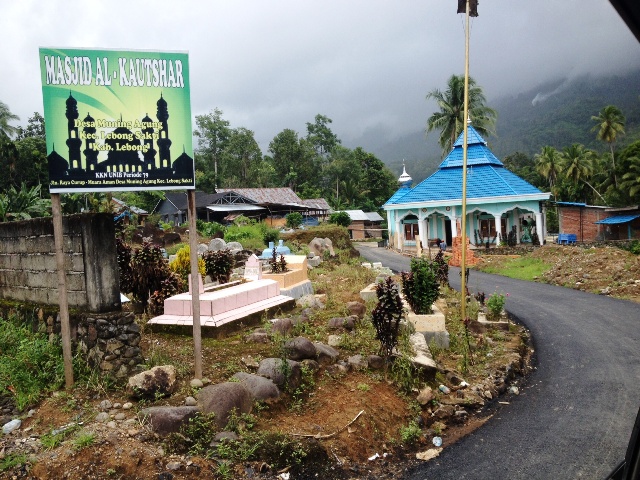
column 366, row 64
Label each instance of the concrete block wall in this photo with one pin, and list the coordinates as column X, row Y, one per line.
column 28, row 271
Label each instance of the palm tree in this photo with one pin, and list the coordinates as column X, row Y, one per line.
column 609, row 124
column 578, row 165
column 449, row 120
column 6, row 130
column 631, row 179
column 549, row 164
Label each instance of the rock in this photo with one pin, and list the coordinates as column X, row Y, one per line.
column 166, row 420
column 262, row 389
column 375, row 361
column 127, row 406
column 250, row 362
column 235, row 247
column 357, row 362
column 444, row 412
column 422, row 357
column 159, row 381
column 341, row 322
column 224, row 436
column 356, row 308
column 428, row 454
column 196, row 383
column 173, row 466
column 11, row 426
column 326, row 354
column 320, row 245
column 310, row 365
column 310, row 301
column 453, row 378
column 514, row 390
column 102, row 417
column 202, row 247
column 105, row 405
column 300, row 348
column 217, row 244
column 190, row 402
column 425, row 396
column 223, row 398
column 282, row 326
column 334, row 340
column 283, row 373
column 257, row 337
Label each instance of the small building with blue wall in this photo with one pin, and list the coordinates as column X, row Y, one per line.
column 498, row 202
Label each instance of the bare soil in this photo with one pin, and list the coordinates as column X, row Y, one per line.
column 601, row 270
column 340, row 419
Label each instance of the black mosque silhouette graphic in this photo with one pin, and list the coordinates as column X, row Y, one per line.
column 130, row 154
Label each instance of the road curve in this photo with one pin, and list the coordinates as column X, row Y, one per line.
column 574, row 416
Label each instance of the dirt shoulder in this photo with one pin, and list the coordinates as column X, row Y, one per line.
column 601, row 270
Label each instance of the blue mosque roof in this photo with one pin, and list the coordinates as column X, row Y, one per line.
column 486, row 176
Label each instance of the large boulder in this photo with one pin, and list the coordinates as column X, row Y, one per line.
column 321, row 245
column 262, row 389
column 157, row 382
column 284, row 373
column 166, row 420
column 356, row 308
column 300, row 348
column 224, row 398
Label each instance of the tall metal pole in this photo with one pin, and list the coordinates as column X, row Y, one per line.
column 463, row 222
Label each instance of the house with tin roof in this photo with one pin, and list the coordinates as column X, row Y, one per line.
column 498, row 202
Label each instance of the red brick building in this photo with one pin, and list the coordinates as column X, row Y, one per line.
column 592, row 223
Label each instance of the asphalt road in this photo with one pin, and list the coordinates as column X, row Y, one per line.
column 574, row 415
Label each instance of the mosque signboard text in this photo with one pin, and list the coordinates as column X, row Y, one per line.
column 117, row 120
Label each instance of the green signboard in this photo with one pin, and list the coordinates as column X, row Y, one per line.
column 117, row 120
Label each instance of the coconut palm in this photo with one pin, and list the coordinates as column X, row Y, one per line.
column 6, row 130
column 609, row 124
column 549, row 164
column 578, row 166
column 631, row 179
column 449, row 119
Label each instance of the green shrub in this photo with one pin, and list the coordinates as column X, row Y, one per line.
column 182, row 264
column 387, row 314
column 420, row 286
column 269, row 234
column 294, row 219
column 218, row 265
column 495, row 303
column 31, row 365
column 340, row 218
column 209, row 229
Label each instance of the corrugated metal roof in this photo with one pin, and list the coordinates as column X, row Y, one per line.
column 374, row 216
column 477, row 151
column 281, row 195
column 356, row 215
column 618, row 219
column 572, row 204
column 317, row 204
column 401, row 192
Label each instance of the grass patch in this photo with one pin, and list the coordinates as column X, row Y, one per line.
column 521, row 268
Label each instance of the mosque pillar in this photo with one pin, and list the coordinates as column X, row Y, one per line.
column 454, row 224
column 518, row 230
column 498, row 225
column 539, row 227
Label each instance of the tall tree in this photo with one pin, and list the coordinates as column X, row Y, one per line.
column 449, row 119
column 609, row 124
column 293, row 159
column 549, row 165
column 242, row 160
column 578, row 168
column 321, row 136
column 35, row 128
column 6, row 129
column 213, row 134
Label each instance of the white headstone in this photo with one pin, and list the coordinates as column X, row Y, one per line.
column 253, row 268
